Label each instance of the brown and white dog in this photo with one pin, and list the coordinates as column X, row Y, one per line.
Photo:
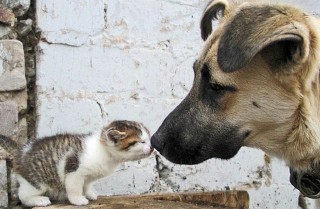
column 256, row 84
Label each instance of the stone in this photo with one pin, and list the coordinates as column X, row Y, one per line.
column 4, row 31
column 24, row 27
column 20, row 7
column 12, row 66
column 23, row 131
column 7, row 17
column 19, row 97
column 3, row 184
column 3, row 154
column 12, row 81
column 8, row 118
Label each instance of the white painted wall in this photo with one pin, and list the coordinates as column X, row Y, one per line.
column 101, row 60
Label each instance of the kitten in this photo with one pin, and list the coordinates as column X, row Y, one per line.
column 65, row 166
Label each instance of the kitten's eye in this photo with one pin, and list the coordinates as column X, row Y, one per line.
column 215, row 87
column 132, row 143
column 142, row 142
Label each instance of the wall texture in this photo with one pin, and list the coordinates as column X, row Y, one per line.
column 14, row 24
column 100, row 60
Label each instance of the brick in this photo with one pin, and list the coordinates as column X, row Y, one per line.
column 67, row 116
column 8, row 118
column 126, row 71
column 12, row 67
column 62, row 28
column 3, row 184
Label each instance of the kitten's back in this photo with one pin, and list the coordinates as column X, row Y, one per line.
column 44, row 161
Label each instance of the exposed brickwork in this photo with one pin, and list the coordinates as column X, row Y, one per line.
column 14, row 24
column 9, row 118
column 3, row 184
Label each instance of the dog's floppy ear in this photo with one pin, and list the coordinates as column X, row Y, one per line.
column 280, row 39
column 213, row 11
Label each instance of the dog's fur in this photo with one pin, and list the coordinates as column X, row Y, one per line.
column 256, row 84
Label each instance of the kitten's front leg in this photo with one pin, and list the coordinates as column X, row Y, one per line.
column 89, row 192
column 74, row 185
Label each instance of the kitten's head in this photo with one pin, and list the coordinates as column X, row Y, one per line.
column 130, row 140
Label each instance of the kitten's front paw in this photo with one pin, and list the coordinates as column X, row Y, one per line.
column 79, row 200
column 36, row 201
column 91, row 195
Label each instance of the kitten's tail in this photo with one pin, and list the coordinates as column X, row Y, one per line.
column 8, row 144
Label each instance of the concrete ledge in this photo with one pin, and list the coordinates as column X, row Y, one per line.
column 188, row 200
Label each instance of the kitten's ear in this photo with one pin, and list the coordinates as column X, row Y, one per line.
column 115, row 135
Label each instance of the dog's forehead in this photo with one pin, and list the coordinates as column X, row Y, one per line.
column 247, row 10
column 209, row 58
column 256, row 70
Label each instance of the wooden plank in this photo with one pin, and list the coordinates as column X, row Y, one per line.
column 187, row 200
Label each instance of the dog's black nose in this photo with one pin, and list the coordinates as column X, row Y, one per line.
column 157, row 143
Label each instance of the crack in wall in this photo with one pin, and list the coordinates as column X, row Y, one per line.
column 105, row 16
column 102, row 112
column 30, row 39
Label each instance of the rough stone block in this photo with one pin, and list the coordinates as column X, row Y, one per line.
column 6, row 16
column 19, row 97
column 8, row 118
column 12, row 67
column 20, row 7
column 3, row 154
column 3, row 184
column 4, row 31
column 23, row 131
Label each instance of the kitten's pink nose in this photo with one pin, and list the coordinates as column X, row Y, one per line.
column 151, row 151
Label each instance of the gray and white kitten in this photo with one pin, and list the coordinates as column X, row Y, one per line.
column 65, row 166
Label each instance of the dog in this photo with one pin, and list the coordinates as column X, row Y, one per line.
column 256, row 84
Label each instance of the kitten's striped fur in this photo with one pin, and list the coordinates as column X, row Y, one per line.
column 65, row 165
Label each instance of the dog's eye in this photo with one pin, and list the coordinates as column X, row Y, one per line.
column 215, row 87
